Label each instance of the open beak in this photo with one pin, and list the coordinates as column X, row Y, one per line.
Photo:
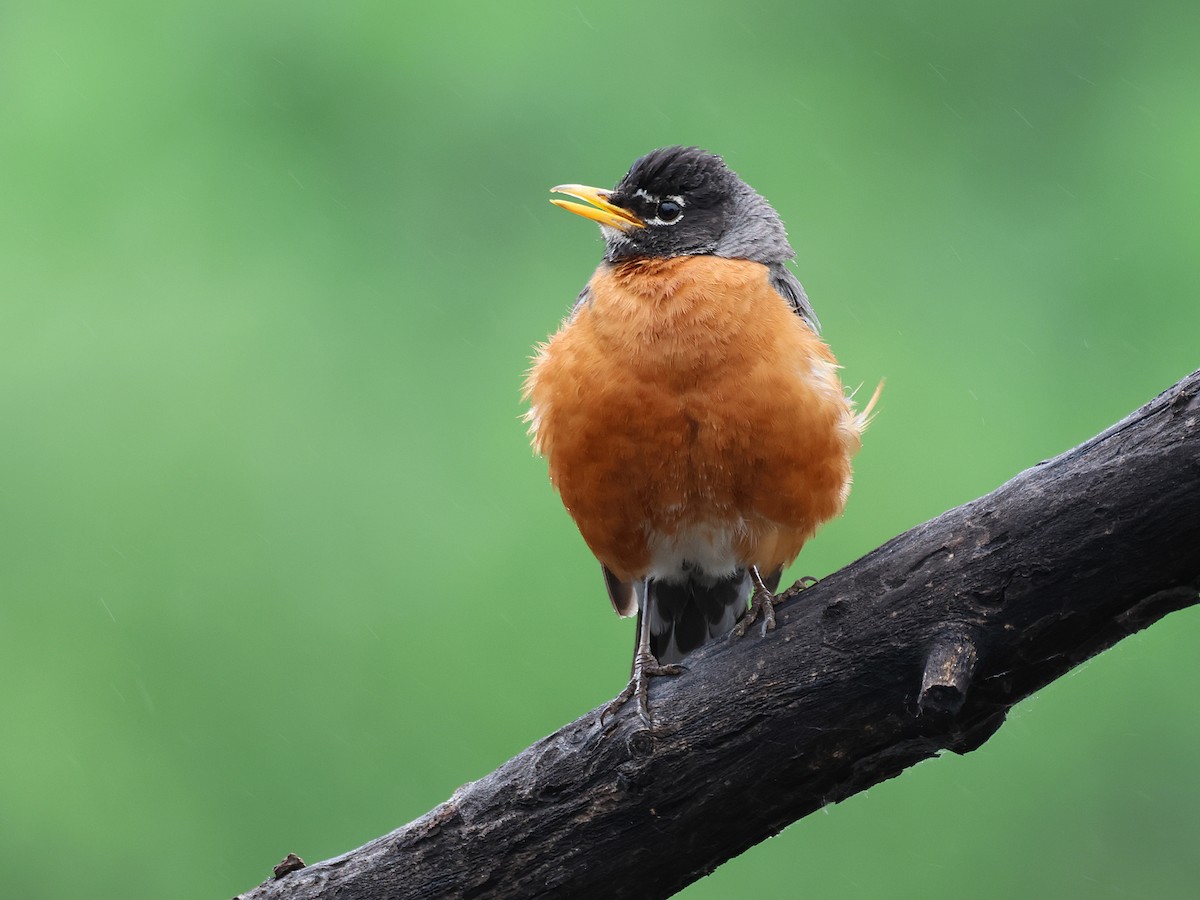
column 600, row 211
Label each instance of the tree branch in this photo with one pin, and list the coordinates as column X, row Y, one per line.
column 923, row 644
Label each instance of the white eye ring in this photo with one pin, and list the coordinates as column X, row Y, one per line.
column 650, row 198
column 675, row 212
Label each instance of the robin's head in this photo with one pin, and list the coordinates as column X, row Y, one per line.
column 682, row 201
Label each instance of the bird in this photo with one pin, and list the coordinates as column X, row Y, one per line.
column 693, row 421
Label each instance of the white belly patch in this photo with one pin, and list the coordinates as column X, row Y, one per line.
column 708, row 548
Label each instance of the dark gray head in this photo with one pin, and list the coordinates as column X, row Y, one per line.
column 683, row 201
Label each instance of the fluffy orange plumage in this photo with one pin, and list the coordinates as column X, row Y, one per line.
column 684, row 404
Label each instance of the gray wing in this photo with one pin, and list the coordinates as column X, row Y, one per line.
column 789, row 288
column 583, row 299
column 626, row 596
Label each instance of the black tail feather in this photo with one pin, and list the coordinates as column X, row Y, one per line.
column 685, row 614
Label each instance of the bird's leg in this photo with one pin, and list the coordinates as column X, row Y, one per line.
column 762, row 602
column 645, row 666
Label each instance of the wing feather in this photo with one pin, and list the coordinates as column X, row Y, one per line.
column 789, row 288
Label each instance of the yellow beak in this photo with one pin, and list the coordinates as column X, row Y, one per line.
column 600, row 211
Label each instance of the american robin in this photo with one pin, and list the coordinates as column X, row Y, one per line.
column 693, row 421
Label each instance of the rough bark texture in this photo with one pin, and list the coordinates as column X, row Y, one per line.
column 923, row 644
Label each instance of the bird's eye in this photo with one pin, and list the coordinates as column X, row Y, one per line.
column 669, row 211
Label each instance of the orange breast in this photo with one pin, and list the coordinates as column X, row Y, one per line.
column 686, row 404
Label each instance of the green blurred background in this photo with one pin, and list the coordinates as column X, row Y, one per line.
column 279, row 570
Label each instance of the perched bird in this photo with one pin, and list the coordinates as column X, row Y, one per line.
column 694, row 423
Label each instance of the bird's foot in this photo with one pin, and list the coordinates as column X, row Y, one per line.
column 803, row 583
column 645, row 667
column 763, row 603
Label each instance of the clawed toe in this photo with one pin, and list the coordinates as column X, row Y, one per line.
column 763, row 603
column 802, row 584
column 645, row 667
